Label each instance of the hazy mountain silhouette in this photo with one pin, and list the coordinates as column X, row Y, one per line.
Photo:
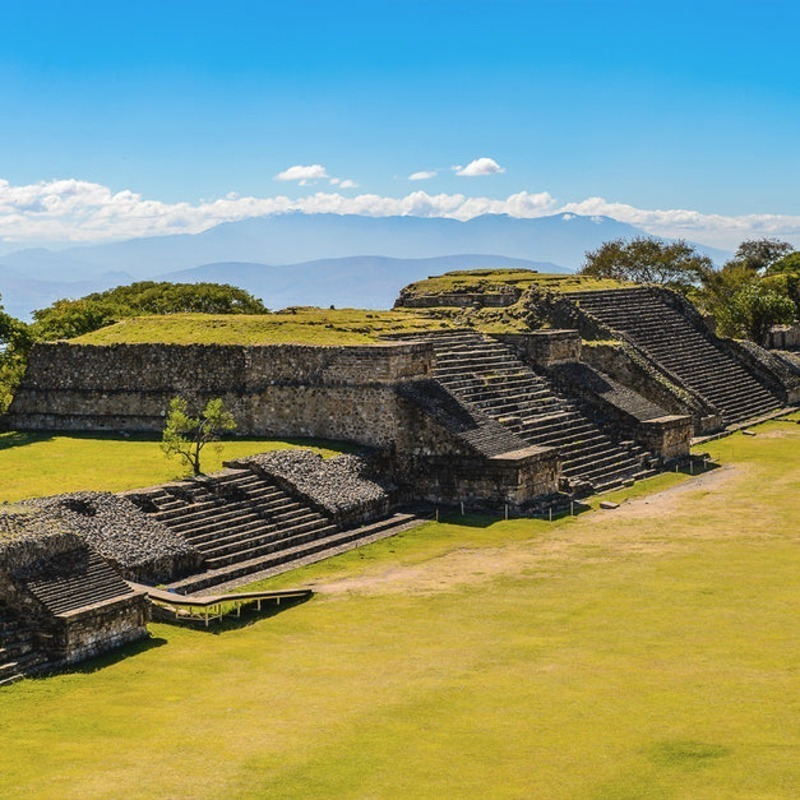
column 297, row 238
column 367, row 281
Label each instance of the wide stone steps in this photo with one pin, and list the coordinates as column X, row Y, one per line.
column 203, row 535
column 298, row 554
column 243, row 521
column 265, row 534
column 95, row 582
column 492, row 379
column 680, row 346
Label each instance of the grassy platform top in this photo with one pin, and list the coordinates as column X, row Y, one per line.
column 304, row 325
column 487, row 280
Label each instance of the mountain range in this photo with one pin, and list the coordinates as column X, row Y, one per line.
column 310, row 259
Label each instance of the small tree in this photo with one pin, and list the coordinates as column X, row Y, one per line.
column 186, row 435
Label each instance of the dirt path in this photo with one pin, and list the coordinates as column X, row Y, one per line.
column 595, row 537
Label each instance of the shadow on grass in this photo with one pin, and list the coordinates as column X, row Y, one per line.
column 19, row 439
column 467, row 520
column 694, row 468
column 115, row 656
column 249, row 616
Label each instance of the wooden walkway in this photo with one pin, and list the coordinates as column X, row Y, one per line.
column 208, row 607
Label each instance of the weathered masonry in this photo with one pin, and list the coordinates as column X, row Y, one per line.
column 459, row 416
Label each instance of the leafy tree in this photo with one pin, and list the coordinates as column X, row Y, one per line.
column 66, row 319
column 745, row 305
column 648, row 260
column 759, row 255
column 186, row 434
column 15, row 341
column 788, row 264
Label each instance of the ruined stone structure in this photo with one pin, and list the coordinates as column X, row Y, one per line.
column 514, row 422
column 60, row 602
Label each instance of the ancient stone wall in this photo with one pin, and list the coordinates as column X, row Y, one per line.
column 784, row 337
column 542, row 348
column 513, row 479
column 488, row 299
column 625, row 364
column 283, row 390
column 345, row 488
column 625, row 410
column 92, row 631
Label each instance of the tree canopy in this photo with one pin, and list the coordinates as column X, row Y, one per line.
column 648, row 260
column 66, row 319
column 759, row 255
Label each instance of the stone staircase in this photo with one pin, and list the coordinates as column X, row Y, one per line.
column 487, row 375
column 90, row 582
column 244, row 524
column 678, row 345
column 18, row 652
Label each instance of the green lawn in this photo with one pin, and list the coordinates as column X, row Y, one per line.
column 648, row 652
column 34, row 464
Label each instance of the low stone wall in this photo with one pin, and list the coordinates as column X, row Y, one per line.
column 486, row 484
column 487, row 299
column 140, row 547
column 542, row 348
column 784, row 337
column 92, row 631
column 669, row 436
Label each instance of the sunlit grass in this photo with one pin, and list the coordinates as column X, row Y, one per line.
column 36, row 464
column 647, row 652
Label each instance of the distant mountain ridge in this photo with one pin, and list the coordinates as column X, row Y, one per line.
column 297, row 239
column 358, row 281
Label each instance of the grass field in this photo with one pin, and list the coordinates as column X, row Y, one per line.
column 33, row 464
column 648, row 652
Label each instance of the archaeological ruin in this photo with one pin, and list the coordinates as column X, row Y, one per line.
column 609, row 386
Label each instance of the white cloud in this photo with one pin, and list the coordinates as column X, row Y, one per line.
column 303, row 173
column 347, row 184
column 79, row 211
column 422, row 175
column 478, row 167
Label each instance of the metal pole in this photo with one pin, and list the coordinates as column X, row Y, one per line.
column 550, row 514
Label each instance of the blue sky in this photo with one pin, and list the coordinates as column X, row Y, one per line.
column 654, row 105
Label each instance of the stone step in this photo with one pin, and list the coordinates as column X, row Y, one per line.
column 309, row 552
